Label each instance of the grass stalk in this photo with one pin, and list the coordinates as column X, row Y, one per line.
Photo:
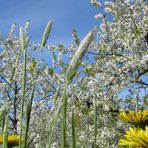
column 22, row 40
column 54, row 120
column 53, row 124
column 65, row 98
column 28, row 114
column 95, row 122
column 5, row 133
column 3, row 120
column 42, row 140
column 73, row 130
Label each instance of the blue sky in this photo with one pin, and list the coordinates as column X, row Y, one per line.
column 66, row 15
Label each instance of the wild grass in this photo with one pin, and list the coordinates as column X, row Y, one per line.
column 5, row 132
column 63, row 103
column 23, row 45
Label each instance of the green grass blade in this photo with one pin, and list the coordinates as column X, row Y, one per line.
column 5, row 133
column 65, row 98
column 3, row 120
column 42, row 140
column 73, row 130
column 28, row 114
column 56, row 115
column 53, row 123
column 95, row 122
column 22, row 40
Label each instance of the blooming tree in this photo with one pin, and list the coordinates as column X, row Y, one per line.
column 116, row 62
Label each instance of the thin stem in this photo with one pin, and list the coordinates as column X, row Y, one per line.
column 15, row 109
column 95, row 122
column 73, row 130
column 23, row 94
column 54, row 120
column 65, row 98
column 28, row 114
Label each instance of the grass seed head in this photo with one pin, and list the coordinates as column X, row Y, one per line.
column 80, row 52
column 46, row 33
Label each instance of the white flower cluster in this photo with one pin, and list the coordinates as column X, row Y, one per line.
column 95, row 3
column 120, row 62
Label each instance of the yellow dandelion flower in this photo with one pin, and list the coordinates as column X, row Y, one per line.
column 135, row 137
column 13, row 140
column 139, row 118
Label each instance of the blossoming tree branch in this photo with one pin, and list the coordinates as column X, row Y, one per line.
column 96, row 97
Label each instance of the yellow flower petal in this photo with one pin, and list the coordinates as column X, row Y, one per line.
column 13, row 140
column 135, row 137
column 139, row 118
